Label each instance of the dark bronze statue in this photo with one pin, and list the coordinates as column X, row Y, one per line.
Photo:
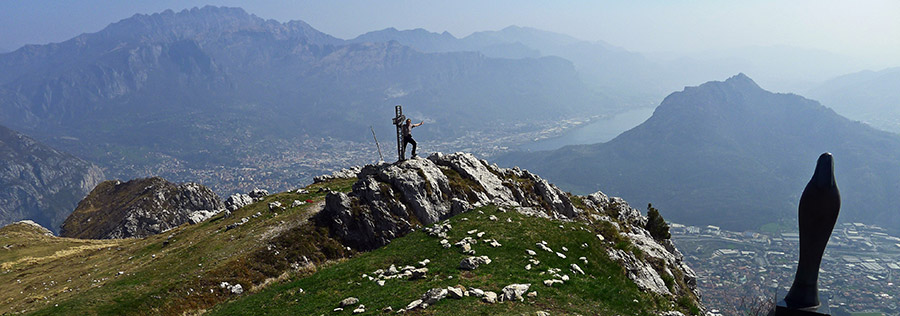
column 819, row 207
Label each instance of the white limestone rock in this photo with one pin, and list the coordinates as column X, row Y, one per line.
column 514, row 292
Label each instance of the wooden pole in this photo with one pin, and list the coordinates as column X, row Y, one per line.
column 380, row 156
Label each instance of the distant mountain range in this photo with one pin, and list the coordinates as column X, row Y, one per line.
column 627, row 76
column 40, row 183
column 205, row 88
column 732, row 154
column 869, row 96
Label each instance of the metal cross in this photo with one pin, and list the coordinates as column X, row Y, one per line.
column 399, row 120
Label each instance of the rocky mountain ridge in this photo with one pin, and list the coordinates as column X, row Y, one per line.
column 731, row 154
column 867, row 96
column 391, row 200
column 201, row 88
column 40, row 183
column 530, row 237
column 139, row 208
column 629, row 77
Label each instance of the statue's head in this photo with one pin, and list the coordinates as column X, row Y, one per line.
column 824, row 174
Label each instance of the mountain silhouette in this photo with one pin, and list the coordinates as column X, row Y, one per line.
column 732, row 154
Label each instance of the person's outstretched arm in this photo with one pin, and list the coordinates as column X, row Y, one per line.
column 420, row 123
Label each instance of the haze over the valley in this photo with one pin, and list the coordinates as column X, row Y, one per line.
column 785, row 46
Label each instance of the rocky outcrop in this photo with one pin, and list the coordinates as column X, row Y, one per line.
column 138, row 208
column 238, row 200
column 40, row 183
column 390, row 200
column 343, row 173
column 26, row 226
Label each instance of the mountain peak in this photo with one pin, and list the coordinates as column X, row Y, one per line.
column 741, row 79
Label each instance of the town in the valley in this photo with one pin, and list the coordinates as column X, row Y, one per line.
column 860, row 271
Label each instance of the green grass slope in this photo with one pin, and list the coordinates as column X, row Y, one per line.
column 603, row 290
column 286, row 265
column 170, row 273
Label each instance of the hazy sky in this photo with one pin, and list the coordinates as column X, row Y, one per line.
column 866, row 29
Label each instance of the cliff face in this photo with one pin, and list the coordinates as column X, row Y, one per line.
column 390, row 200
column 137, row 208
column 40, row 183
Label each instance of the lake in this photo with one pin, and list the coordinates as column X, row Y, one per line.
column 598, row 131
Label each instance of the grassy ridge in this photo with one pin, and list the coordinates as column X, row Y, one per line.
column 169, row 273
column 604, row 290
column 179, row 271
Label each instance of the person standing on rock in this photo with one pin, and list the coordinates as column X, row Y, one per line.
column 407, row 135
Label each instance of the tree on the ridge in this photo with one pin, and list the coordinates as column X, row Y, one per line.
column 656, row 225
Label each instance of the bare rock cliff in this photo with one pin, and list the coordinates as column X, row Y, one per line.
column 138, row 208
column 40, row 183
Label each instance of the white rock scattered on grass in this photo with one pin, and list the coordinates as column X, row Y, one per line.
column 532, row 294
column 337, row 309
column 416, row 274
column 541, row 313
column 530, row 252
column 349, row 301
column 455, row 292
column 466, row 248
column 565, row 249
column 301, row 191
column 424, row 262
column 489, row 297
column 359, row 310
column 479, row 234
column 558, row 254
column 494, row 243
column 565, row 278
column 413, row 304
column 509, row 220
column 551, row 282
column 584, row 246
column 387, row 309
column 237, row 289
column 544, row 247
column 576, row 268
column 434, row 295
column 380, row 282
column 493, row 218
column 297, row 203
column 584, row 259
column 600, row 237
column 464, row 219
column 471, row 263
column 445, row 243
column 528, row 266
column 514, row 292
column 534, row 261
column 561, row 227
column 472, row 231
column 476, row 292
